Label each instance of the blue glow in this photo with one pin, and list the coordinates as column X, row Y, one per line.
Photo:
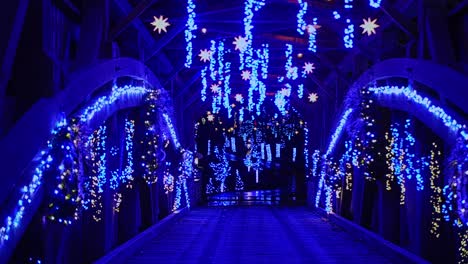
column 336, row 15
column 300, row 90
column 264, row 58
column 349, row 35
column 105, row 101
column 375, row 3
column 251, row 6
column 280, row 102
column 301, row 24
column 204, row 84
column 315, row 161
column 239, row 182
column 436, row 111
column 189, row 36
column 227, row 89
column 338, row 131
column 212, row 60
column 170, row 126
column 313, row 35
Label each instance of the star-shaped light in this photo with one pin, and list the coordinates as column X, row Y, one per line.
column 210, row 117
column 308, row 67
column 214, row 88
column 205, row 55
column 369, row 26
column 285, row 92
column 313, row 97
column 246, row 75
column 241, row 43
column 160, row 24
column 312, row 28
column 239, row 97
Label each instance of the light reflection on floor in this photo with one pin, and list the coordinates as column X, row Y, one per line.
column 256, row 197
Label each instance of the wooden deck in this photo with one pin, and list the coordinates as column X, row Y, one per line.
column 255, row 234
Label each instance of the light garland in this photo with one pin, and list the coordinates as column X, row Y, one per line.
column 312, row 30
column 204, row 84
column 436, row 191
column 301, row 24
column 190, row 28
column 250, row 6
column 338, row 131
column 300, row 90
column 349, row 35
column 220, row 169
column 411, row 94
column 268, row 152
column 315, row 161
column 104, row 101
column 170, row 126
column 375, row 3
column 239, row 182
column 95, row 184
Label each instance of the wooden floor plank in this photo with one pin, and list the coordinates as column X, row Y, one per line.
column 255, row 234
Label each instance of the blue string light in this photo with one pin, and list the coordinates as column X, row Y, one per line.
column 313, row 35
column 436, row 111
column 104, row 101
column 250, row 6
column 189, row 36
column 172, row 131
column 349, row 35
column 300, row 90
column 375, row 3
column 204, row 84
column 338, row 131
column 301, row 24
column 227, row 90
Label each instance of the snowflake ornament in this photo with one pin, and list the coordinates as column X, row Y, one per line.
column 240, row 43
column 214, row 88
column 210, row 117
column 313, row 97
column 205, row 55
column 369, row 26
column 239, row 98
column 246, row 75
column 160, row 24
column 308, row 67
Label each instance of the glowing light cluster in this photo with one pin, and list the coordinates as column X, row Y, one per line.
column 264, row 57
column 338, row 131
column 239, row 182
column 104, row 101
column 315, row 161
column 221, row 169
column 375, row 3
column 172, row 131
column 204, row 84
column 281, row 102
column 190, row 28
column 312, row 30
column 301, row 24
column 149, row 146
column 412, row 95
column 349, row 35
column 300, row 90
column 250, row 7
column 27, row 193
column 95, row 183
column 436, row 191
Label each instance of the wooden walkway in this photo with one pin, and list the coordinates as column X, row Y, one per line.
column 255, row 234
